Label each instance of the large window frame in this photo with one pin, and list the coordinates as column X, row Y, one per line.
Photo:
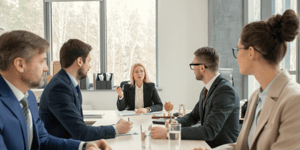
column 103, row 36
column 266, row 12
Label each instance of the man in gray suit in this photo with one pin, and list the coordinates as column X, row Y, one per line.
column 217, row 109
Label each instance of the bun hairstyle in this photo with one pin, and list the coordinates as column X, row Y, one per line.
column 270, row 37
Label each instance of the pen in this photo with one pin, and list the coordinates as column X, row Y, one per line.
column 128, row 119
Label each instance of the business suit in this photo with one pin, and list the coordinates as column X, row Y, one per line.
column 151, row 98
column 13, row 132
column 219, row 117
column 61, row 111
column 278, row 126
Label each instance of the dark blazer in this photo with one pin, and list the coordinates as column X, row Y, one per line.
column 219, row 118
column 60, row 109
column 13, row 129
column 151, row 98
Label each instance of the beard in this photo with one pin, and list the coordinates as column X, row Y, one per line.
column 33, row 84
column 81, row 74
column 200, row 77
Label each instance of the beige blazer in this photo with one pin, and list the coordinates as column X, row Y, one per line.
column 278, row 126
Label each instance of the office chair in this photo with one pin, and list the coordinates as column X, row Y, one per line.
column 227, row 73
column 123, row 84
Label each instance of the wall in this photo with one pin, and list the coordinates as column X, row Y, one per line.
column 225, row 23
column 182, row 28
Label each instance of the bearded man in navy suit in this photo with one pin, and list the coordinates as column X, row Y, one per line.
column 22, row 66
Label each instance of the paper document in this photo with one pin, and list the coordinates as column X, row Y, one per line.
column 90, row 115
column 131, row 132
column 132, row 113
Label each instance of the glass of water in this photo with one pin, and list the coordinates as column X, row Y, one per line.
column 174, row 136
column 146, row 135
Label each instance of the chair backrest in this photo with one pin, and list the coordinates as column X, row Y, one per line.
column 123, row 83
column 227, row 73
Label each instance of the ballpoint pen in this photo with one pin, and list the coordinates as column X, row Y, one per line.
column 128, row 119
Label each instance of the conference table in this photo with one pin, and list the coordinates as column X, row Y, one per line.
column 133, row 142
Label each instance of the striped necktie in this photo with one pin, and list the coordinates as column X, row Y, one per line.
column 25, row 108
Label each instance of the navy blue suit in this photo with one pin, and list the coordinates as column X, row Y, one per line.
column 13, row 132
column 61, row 111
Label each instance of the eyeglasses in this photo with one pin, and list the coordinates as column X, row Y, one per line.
column 235, row 51
column 197, row 64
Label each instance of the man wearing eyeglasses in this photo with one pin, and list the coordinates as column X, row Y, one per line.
column 217, row 108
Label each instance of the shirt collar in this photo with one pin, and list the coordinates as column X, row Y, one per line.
column 209, row 84
column 263, row 93
column 19, row 95
column 74, row 81
column 136, row 87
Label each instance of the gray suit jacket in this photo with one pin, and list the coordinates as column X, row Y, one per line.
column 219, row 118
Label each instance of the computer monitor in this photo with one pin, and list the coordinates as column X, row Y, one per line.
column 227, row 73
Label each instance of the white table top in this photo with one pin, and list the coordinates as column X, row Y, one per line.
column 133, row 142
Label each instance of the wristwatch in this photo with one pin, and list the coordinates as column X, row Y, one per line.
column 84, row 145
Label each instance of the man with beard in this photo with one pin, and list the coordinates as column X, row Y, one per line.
column 217, row 108
column 22, row 66
column 61, row 101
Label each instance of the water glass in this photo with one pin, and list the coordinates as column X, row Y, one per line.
column 146, row 135
column 174, row 136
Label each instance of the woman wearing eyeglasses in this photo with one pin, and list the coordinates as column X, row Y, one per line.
column 140, row 93
column 272, row 120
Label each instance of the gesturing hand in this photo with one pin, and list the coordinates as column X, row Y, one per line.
column 119, row 91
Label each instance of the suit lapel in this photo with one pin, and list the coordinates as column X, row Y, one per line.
column 78, row 97
column 132, row 96
column 145, row 94
column 212, row 88
column 248, row 121
column 201, row 107
column 274, row 92
column 10, row 100
column 35, row 141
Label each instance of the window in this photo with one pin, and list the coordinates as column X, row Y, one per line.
column 131, row 37
column 121, row 32
column 22, row 15
column 289, row 61
column 80, row 20
column 254, row 11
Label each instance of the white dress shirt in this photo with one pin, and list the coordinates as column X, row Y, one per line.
column 19, row 95
column 139, row 97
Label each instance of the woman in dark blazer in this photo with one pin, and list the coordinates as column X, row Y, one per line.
column 139, row 94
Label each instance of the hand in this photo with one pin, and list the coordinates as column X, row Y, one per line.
column 123, row 126
column 168, row 122
column 142, row 110
column 159, row 133
column 199, row 148
column 98, row 145
column 119, row 91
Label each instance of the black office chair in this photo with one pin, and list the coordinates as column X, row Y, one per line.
column 227, row 73
column 123, row 84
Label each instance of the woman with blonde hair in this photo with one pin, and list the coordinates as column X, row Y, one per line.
column 272, row 120
column 140, row 93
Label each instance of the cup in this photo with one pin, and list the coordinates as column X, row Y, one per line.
column 174, row 136
column 146, row 135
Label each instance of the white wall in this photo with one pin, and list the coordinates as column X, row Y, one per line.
column 182, row 29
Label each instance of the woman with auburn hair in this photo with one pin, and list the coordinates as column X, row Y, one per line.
column 272, row 120
column 140, row 93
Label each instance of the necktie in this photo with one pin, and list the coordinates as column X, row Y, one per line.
column 204, row 95
column 25, row 108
